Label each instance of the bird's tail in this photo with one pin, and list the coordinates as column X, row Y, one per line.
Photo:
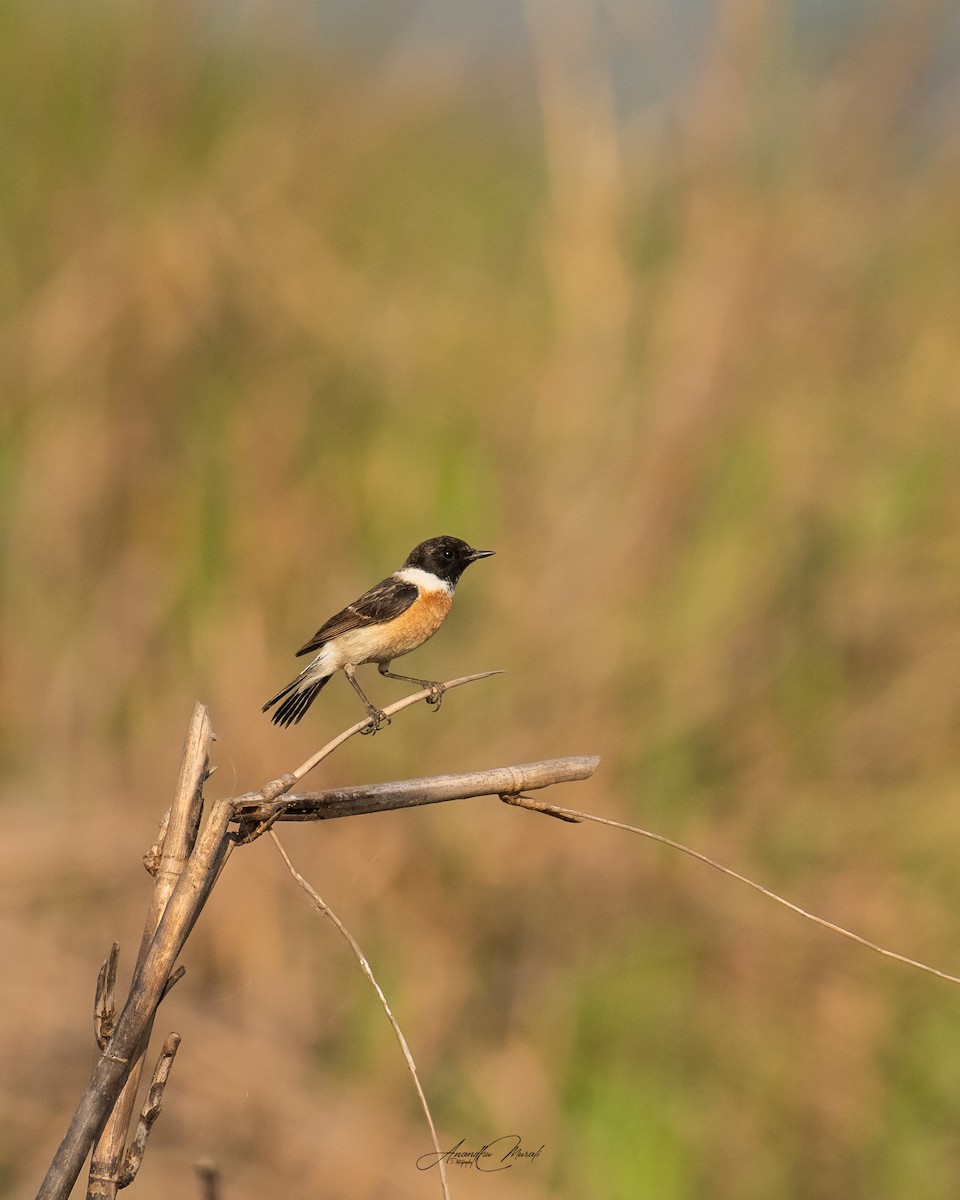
column 300, row 694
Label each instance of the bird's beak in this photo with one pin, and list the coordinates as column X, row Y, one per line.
column 475, row 554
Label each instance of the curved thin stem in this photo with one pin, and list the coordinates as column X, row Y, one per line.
column 277, row 787
column 573, row 814
column 324, row 908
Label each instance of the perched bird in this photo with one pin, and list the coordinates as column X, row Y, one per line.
column 391, row 619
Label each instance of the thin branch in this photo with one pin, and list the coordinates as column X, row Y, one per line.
column 575, row 815
column 150, row 1111
column 277, row 787
column 173, row 981
column 327, row 911
column 408, row 793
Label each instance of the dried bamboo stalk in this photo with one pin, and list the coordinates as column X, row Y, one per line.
column 178, row 835
column 409, row 793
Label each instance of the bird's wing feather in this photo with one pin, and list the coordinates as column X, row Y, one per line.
column 387, row 600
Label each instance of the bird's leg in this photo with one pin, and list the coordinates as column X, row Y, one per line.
column 436, row 689
column 378, row 718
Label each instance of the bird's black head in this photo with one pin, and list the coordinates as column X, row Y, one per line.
column 445, row 557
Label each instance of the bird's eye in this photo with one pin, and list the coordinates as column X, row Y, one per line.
column 448, row 553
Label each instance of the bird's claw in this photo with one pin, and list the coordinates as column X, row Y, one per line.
column 377, row 720
column 435, row 699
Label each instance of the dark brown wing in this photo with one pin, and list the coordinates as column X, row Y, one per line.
column 382, row 603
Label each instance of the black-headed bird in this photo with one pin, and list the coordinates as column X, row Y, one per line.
column 389, row 620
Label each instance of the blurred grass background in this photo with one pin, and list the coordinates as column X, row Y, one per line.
column 666, row 314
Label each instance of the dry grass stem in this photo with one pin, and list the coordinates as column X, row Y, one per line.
column 322, row 907
column 572, row 814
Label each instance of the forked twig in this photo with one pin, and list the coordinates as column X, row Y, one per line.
column 324, row 908
column 185, row 874
column 573, row 814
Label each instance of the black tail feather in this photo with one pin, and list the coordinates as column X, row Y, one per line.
column 297, row 702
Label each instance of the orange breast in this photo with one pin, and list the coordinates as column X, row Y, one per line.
column 421, row 621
